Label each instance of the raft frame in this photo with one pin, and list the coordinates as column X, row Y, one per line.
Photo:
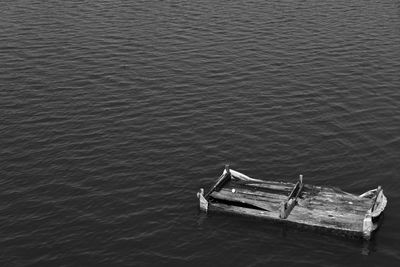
column 325, row 208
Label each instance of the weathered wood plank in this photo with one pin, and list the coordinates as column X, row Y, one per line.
column 337, row 199
column 255, row 187
column 326, row 219
column 332, row 204
column 272, row 215
column 313, row 189
column 331, row 207
column 253, row 192
column 323, row 216
column 322, row 197
column 229, row 196
column 274, row 202
column 224, row 178
column 337, row 213
column 328, row 190
column 273, row 186
column 241, row 177
column 346, row 199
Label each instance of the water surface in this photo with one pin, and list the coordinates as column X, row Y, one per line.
column 114, row 113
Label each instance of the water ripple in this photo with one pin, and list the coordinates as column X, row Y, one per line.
column 113, row 114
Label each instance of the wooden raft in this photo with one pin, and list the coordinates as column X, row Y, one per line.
column 307, row 205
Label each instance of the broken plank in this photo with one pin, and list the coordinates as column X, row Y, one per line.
column 228, row 196
column 272, row 215
column 272, row 186
column 273, row 189
column 256, row 192
column 224, row 178
column 268, row 199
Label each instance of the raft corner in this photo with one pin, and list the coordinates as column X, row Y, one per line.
column 379, row 201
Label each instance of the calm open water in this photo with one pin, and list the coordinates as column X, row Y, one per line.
column 114, row 113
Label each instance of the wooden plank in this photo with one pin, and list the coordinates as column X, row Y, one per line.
column 332, row 207
column 365, row 203
column 323, row 194
column 327, row 189
column 320, row 200
column 253, row 192
column 278, row 186
column 313, row 189
column 229, row 196
column 337, row 200
column 225, row 177
column 329, row 207
column 326, row 219
column 335, row 212
column 272, row 215
column 340, row 202
column 279, row 190
column 255, row 195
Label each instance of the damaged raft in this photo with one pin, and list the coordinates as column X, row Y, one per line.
column 324, row 208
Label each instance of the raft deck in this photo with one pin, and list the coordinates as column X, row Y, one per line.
column 325, row 208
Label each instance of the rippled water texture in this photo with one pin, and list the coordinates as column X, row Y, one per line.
column 114, row 113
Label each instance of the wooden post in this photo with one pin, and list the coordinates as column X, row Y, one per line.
column 367, row 225
column 287, row 206
column 203, row 203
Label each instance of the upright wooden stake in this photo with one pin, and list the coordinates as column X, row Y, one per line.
column 203, row 203
column 287, row 206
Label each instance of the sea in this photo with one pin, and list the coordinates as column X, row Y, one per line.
column 113, row 113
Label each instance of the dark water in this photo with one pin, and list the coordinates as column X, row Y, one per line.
column 114, row 113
